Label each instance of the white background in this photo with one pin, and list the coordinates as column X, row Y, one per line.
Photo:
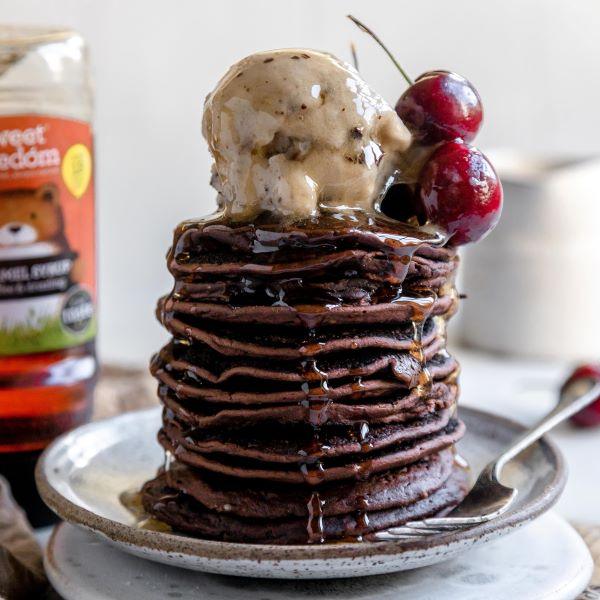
column 536, row 64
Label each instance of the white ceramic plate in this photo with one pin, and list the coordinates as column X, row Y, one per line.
column 547, row 560
column 82, row 474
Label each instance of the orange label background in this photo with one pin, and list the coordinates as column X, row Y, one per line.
column 78, row 212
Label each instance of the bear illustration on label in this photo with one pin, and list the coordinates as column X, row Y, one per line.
column 31, row 223
column 38, row 269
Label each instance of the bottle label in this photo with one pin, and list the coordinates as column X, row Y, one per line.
column 47, row 241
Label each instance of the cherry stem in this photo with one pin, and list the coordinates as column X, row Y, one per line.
column 364, row 28
column 354, row 55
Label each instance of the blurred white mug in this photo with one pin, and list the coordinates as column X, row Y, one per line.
column 533, row 284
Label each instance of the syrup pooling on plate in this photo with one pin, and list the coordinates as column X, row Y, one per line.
column 132, row 501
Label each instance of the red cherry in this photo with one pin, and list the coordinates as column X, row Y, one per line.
column 441, row 106
column 461, row 192
column 590, row 415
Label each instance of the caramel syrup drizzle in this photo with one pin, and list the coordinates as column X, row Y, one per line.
column 400, row 248
column 316, row 402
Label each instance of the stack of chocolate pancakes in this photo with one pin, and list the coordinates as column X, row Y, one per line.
column 308, row 395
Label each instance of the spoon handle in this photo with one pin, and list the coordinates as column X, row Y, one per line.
column 568, row 405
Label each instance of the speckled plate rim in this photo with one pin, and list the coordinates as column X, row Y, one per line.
column 141, row 539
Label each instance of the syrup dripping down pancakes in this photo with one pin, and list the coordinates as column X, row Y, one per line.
column 308, row 394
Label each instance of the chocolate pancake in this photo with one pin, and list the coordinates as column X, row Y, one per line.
column 405, row 374
column 312, row 472
column 396, row 409
column 307, row 391
column 268, row 340
column 260, row 500
column 399, row 310
column 184, row 513
column 378, row 248
column 200, row 362
column 267, row 443
column 345, row 290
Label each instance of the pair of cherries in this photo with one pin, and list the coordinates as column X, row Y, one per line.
column 457, row 187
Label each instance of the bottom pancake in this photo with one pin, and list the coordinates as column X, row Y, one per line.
column 259, row 499
column 184, row 513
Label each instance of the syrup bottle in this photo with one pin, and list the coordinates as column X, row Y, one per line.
column 47, row 249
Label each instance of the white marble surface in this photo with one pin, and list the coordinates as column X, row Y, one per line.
column 546, row 560
column 525, row 391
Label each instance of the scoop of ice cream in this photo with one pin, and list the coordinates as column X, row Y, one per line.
column 295, row 130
